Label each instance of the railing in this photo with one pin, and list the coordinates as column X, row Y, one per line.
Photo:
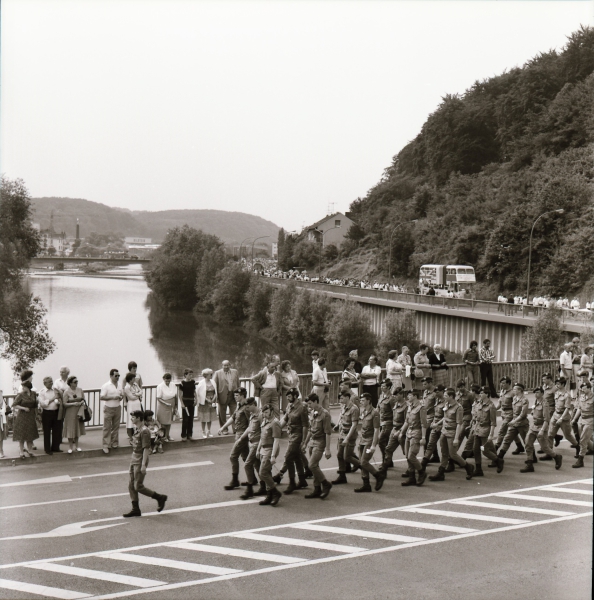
column 467, row 304
column 528, row 372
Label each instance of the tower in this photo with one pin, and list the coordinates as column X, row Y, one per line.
column 77, row 230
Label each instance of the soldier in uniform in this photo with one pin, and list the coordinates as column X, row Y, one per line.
column 349, row 419
column 539, row 430
column 428, row 401
column 318, row 442
column 560, row 419
column 240, row 421
column 584, row 419
column 345, row 386
column 484, row 421
column 517, row 426
column 451, row 431
column 385, row 407
column 435, row 425
column 370, row 431
column 398, row 418
column 549, row 389
column 268, row 449
column 412, row 438
column 252, row 434
column 475, row 408
column 465, row 398
column 506, row 400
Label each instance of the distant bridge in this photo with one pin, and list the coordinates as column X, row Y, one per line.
column 87, row 260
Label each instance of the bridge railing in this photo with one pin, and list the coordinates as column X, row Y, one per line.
column 528, row 372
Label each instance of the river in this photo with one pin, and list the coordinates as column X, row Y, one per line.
column 103, row 322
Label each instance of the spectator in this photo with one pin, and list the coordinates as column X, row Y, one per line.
column 566, row 365
column 73, row 426
column 206, row 395
column 268, row 386
column 422, row 367
column 112, row 411
column 586, row 361
column 133, row 368
column 394, row 370
column 24, row 425
column 354, row 355
column 405, row 360
column 289, row 379
column 486, row 358
column 187, row 390
column 132, row 401
column 576, row 360
column 371, row 375
column 3, row 424
column 439, row 366
column 61, row 385
column 226, row 380
column 50, row 402
column 315, row 355
column 166, row 401
column 321, row 385
column 472, row 361
column 157, row 431
column 349, row 374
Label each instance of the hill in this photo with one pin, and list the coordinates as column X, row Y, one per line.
column 484, row 167
column 93, row 216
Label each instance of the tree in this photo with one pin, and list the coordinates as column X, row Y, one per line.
column 545, row 338
column 281, row 309
column 349, row 327
column 257, row 304
column 213, row 261
column 228, row 296
column 307, row 326
column 24, row 338
column 400, row 330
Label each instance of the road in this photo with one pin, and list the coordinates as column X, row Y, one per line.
column 502, row 536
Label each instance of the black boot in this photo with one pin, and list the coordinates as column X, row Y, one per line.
column 467, row 454
column 308, row 474
column 478, row 471
column 558, row 439
column 388, row 464
column 439, row 476
column 278, row 478
column 234, row 484
column 499, row 464
column 302, row 483
column 262, row 490
column 291, row 487
column 276, row 496
column 340, row 479
column 576, row 465
column 421, row 477
column 348, row 468
column 435, row 458
column 135, row 512
column 379, row 480
column 492, row 464
column 519, row 449
column 317, row 493
column 469, row 470
column 266, row 500
column 558, row 461
column 424, row 462
column 249, row 492
column 451, row 466
column 161, row 499
column 365, row 487
column 326, row 487
column 529, row 468
column 406, row 474
column 412, row 480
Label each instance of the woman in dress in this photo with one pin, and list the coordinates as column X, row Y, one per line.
column 289, row 379
column 166, row 397
column 394, row 370
column 405, row 360
column 24, row 425
column 206, row 393
column 132, row 401
column 586, row 361
column 439, row 366
column 73, row 428
column 422, row 367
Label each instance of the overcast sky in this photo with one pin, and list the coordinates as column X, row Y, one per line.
column 275, row 108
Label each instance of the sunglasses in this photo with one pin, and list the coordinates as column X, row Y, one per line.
column 116, row 375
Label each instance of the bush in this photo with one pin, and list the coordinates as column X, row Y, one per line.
column 228, row 295
column 545, row 338
column 257, row 300
column 281, row 309
column 400, row 330
column 307, row 326
column 349, row 327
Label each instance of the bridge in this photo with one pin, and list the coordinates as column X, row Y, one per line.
column 452, row 322
column 87, row 259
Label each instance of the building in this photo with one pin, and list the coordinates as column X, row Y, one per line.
column 329, row 230
column 137, row 240
column 52, row 242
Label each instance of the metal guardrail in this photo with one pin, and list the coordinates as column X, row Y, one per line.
column 529, row 372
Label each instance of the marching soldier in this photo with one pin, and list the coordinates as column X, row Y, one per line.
column 412, row 438
column 240, row 421
column 268, row 449
column 370, row 429
column 484, row 421
column 506, row 400
column 549, row 389
column 560, row 419
column 465, row 398
column 385, row 407
column 435, row 425
column 347, row 438
column 252, row 434
column 398, row 418
column 318, row 442
column 517, row 426
column 539, row 430
column 584, row 417
column 428, row 401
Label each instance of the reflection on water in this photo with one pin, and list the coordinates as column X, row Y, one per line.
column 99, row 323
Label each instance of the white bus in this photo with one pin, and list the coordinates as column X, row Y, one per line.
column 455, row 281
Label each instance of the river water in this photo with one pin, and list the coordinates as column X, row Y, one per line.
column 100, row 323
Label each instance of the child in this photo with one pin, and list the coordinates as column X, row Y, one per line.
column 157, row 432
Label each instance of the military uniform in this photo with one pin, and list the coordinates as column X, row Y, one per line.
column 320, row 425
column 345, row 453
column 585, row 403
column 297, row 419
column 253, row 435
column 506, row 400
column 453, row 416
column 517, row 425
column 141, row 440
column 416, row 418
column 269, row 431
column 385, row 407
column 559, row 421
column 538, row 430
column 435, row 426
column 465, row 398
column 370, row 421
column 240, row 448
column 484, row 416
column 398, row 418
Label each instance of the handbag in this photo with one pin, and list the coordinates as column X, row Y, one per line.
column 85, row 414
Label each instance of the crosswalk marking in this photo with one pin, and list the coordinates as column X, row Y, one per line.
column 461, row 515
column 167, row 562
column 545, row 499
column 568, row 490
column 418, row 524
column 277, row 558
column 357, row 532
column 288, row 541
column 92, row 574
column 526, row 509
column 41, row 590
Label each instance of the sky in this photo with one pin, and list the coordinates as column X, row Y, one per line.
column 277, row 108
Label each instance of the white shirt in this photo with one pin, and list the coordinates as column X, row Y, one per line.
column 319, row 376
column 60, row 385
column 110, row 390
column 270, row 381
column 47, row 399
column 368, row 370
column 566, row 360
column 166, row 392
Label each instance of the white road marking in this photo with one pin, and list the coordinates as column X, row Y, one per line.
column 554, row 488
column 278, row 558
column 544, row 499
column 461, row 515
column 526, row 509
column 58, row 479
column 167, row 562
column 373, row 463
column 101, row 575
column 62, row 501
column 417, row 524
column 41, row 590
column 166, row 467
column 378, row 535
column 288, row 541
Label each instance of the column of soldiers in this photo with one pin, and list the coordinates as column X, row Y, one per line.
column 428, row 429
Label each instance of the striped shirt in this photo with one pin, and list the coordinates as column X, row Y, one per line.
column 486, row 355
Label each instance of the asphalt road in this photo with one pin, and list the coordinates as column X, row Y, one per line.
column 65, row 537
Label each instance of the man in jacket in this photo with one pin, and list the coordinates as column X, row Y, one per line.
column 268, row 387
column 226, row 381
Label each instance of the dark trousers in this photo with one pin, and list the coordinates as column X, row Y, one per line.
column 487, row 376
column 52, row 430
column 346, row 454
column 293, row 459
column 188, row 419
column 223, row 410
column 373, row 391
column 240, row 449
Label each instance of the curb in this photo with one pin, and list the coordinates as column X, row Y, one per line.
column 93, row 452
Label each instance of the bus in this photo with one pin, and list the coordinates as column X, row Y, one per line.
column 454, row 281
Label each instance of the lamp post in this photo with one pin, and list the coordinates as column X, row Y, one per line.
column 391, row 238
column 240, row 246
column 260, row 238
column 322, row 247
column 559, row 211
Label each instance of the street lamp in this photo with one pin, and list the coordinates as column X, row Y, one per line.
column 240, row 245
column 391, row 237
column 559, row 211
column 322, row 247
column 260, row 238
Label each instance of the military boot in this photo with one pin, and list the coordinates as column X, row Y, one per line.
column 478, row 471
column 439, row 476
column 412, row 479
column 326, row 487
column 234, row 484
column 529, row 468
column 291, row 487
column 135, row 512
column 249, row 492
column 317, row 493
column 579, row 463
column 340, row 479
column 451, row 466
column 366, row 487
